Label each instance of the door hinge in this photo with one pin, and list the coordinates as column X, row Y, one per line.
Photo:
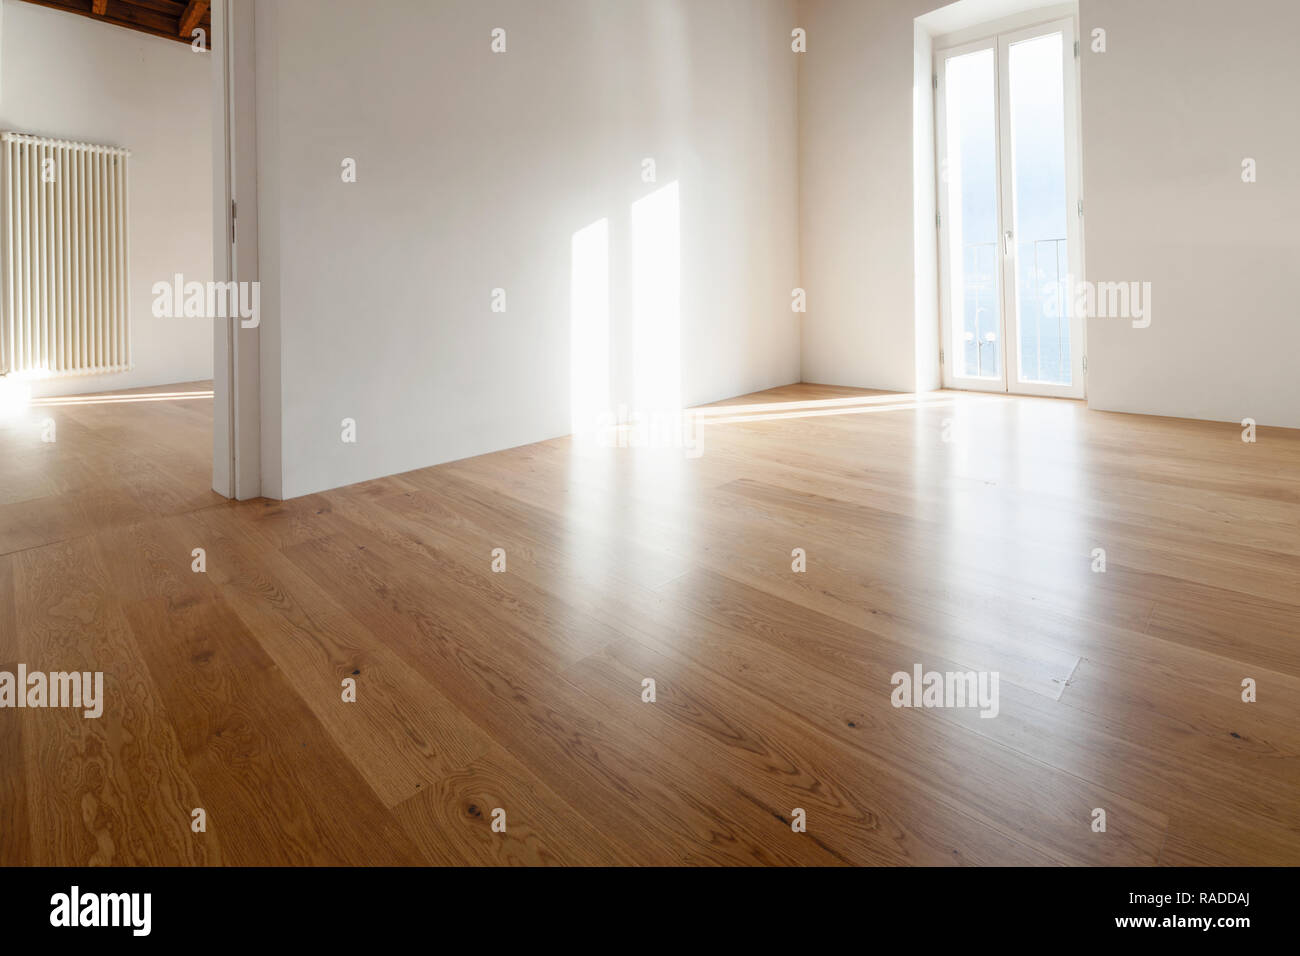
column 233, row 214
column 1076, row 49
column 1080, row 208
column 938, row 220
column 934, row 80
column 940, row 356
column 1085, row 364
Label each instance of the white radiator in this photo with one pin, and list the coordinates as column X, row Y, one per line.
column 65, row 303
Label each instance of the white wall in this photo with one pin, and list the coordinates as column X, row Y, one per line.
column 1185, row 91
column 857, row 96
column 66, row 76
column 474, row 172
column 925, row 238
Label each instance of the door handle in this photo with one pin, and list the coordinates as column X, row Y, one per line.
column 1006, row 243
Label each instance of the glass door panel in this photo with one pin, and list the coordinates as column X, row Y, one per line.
column 969, row 205
column 1038, row 203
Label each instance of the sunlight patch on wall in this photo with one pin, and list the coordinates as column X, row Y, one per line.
column 656, row 296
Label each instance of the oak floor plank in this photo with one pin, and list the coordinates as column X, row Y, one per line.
column 917, row 763
column 1197, row 838
column 705, row 759
column 162, row 561
column 452, row 820
column 776, row 649
column 760, row 554
column 512, row 685
column 763, row 555
column 1169, row 778
column 402, row 734
column 15, row 822
column 275, row 788
column 112, row 790
column 955, row 531
column 860, row 810
column 792, row 677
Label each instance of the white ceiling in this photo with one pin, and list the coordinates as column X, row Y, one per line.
column 969, row 13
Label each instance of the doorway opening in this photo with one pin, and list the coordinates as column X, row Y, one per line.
column 106, row 357
column 1010, row 211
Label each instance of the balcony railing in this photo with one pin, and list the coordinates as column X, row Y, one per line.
column 982, row 284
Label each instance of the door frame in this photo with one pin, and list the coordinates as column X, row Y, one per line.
column 1000, row 41
column 236, row 432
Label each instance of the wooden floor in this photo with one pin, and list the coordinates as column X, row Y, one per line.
column 956, row 532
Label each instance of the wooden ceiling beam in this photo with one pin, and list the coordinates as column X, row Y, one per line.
column 192, row 16
column 160, row 18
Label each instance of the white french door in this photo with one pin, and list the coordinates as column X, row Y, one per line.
column 1010, row 220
